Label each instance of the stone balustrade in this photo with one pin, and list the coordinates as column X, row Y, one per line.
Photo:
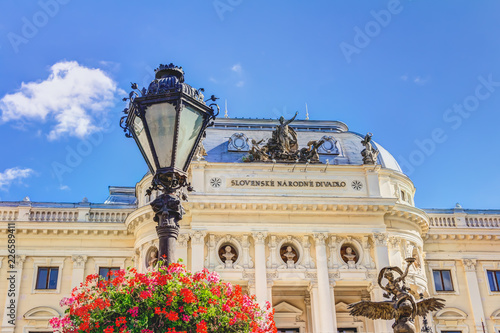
column 463, row 218
column 37, row 212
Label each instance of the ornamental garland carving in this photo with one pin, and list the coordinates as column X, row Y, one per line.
column 259, row 237
column 20, row 261
column 79, row 261
column 182, row 240
column 470, row 265
column 198, row 237
column 380, row 239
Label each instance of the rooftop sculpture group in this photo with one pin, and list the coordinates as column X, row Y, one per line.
column 401, row 307
column 283, row 146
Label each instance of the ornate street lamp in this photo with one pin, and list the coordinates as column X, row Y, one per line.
column 168, row 121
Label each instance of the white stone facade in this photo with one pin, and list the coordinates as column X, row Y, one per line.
column 259, row 210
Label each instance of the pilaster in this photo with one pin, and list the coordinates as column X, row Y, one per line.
column 197, row 250
column 476, row 303
column 324, row 297
column 260, row 267
column 78, row 274
column 182, row 247
column 381, row 251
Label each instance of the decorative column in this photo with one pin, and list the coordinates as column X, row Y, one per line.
column 260, row 267
column 182, row 248
column 334, row 310
column 333, row 246
column 14, row 276
column 381, row 261
column 367, row 253
column 476, row 303
column 197, row 250
column 325, row 301
column 273, row 254
column 211, row 259
column 247, row 260
column 306, row 245
column 78, row 270
column 316, row 318
column 309, row 321
column 270, row 284
column 381, row 251
column 251, row 282
column 395, row 256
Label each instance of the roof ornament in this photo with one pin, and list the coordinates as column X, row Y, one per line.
column 225, row 111
column 369, row 154
column 307, row 113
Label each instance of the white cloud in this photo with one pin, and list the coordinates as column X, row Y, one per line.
column 240, row 84
column 13, row 174
column 75, row 97
column 404, row 77
column 64, row 187
column 237, row 68
column 420, row 81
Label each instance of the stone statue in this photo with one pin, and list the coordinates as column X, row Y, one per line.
column 283, row 142
column 350, row 256
column 402, row 305
column 153, row 259
column 310, row 154
column 290, row 262
column 286, row 136
column 369, row 154
column 229, row 257
column 257, row 152
column 200, row 152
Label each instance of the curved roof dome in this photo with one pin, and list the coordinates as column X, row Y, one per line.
column 220, row 142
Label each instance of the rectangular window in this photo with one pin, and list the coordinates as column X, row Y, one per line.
column 288, row 330
column 47, row 278
column 347, row 330
column 442, row 280
column 106, row 272
column 494, row 280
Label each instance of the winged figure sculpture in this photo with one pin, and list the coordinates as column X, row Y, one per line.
column 401, row 307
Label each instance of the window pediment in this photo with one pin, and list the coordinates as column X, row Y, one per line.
column 41, row 313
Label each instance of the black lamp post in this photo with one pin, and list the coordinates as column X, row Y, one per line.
column 168, row 121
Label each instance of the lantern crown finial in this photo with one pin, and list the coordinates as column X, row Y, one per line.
column 169, row 70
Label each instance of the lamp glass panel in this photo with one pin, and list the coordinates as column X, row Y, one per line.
column 191, row 123
column 143, row 142
column 161, row 122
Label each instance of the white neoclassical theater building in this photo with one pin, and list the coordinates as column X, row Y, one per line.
column 308, row 237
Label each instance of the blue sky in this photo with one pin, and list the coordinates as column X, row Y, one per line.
column 422, row 76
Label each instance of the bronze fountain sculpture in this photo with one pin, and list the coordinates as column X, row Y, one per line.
column 402, row 306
